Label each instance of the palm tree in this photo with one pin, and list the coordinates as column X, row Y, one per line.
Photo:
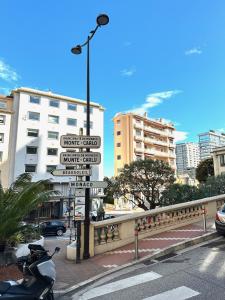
column 17, row 201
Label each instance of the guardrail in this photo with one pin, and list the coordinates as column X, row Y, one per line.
column 110, row 234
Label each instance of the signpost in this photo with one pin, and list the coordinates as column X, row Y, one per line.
column 76, row 172
column 89, row 184
column 80, row 141
column 80, row 158
column 82, row 188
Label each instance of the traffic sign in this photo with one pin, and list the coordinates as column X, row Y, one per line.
column 79, row 200
column 76, row 172
column 80, row 158
column 89, row 184
column 80, row 141
column 79, row 192
column 79, row 212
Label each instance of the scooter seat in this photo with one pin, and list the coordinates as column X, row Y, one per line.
column 7, row 288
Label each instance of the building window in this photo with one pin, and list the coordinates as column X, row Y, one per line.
column 34, row 100
column 30, row 168
column 50, row 168
column 32, row 132
column 118, row 133
column 53, row 119
column 71, row 122
column 118, row 157
column 71, row 106
column 222, row 160
column 91, row 109
column 1, row 137
column 34, row 116
column 138, row 132
column 118, row 145
column 53, row 135
column 54, row 103
column 31, row 150
column 3, row 105
column 1, row 154
column 52, row 151
column 118, row 121
column 2, row 119
column 91, row 124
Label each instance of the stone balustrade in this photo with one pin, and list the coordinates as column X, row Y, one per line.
column 110, row 234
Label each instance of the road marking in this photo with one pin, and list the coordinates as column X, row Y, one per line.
column 180, row 293
column 186, row 230
column 166, row 238
column 119, row 285
column 132, row 251
column 110, row 266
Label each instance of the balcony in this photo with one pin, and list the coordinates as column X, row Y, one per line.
column 138, row 125
column 157, row 142
column 161, row 132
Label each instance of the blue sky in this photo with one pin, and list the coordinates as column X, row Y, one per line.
column 163, row 56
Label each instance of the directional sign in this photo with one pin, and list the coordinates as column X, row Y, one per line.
column 77, row 172
column 80, row 158
column 80, row 201
column 80, row 141
column 79, row 192
column 79, row 212
column 90, row 184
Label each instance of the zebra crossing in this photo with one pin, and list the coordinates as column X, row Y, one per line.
column 178, row 293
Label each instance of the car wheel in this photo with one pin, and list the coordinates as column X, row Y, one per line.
column 59, row 232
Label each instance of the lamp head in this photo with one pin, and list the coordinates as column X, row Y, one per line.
column 102, row 19
column 76, row 50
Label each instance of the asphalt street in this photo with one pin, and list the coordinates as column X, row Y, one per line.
column 196, row 273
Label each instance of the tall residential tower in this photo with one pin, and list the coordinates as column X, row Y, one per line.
column 187, row 157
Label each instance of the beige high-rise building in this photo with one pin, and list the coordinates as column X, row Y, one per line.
column 138, row 137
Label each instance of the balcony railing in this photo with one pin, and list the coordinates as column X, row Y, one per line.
column 110, row 234
column 161, row 132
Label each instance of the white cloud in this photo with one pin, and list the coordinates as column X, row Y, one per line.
column 195, row 50
column 180, row 136
column 128, row 72
column 153, row 100
column 7, row 73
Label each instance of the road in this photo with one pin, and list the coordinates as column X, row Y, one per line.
column 196, row 273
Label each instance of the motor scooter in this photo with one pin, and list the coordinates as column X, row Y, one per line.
column 38, row 277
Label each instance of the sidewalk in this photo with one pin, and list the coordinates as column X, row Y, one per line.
column 70, row 274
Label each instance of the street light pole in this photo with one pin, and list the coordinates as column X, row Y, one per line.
column 86, row 253
column 102, row 19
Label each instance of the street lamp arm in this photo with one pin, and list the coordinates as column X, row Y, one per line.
column 92, row 33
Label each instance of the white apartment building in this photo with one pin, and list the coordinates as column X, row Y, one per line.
column 39, row 119
column 187, row 157
column 5, row 122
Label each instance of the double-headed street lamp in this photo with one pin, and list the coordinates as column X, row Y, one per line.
column 101, row 20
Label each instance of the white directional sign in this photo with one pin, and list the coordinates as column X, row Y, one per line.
column 90, row 184
column 80, row 141
column 80, row 158
column 79, row 192
column 79, row 200
column 79, row 212
column 76, row 172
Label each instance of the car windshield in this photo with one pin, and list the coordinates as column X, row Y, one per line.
column 223, row 208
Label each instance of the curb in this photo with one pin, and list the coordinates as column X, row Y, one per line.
column 165, row 251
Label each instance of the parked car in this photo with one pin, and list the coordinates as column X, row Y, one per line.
column 220, row 220
column 53, row 227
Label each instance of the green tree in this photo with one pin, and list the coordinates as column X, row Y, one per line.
column 141, row 182
column 111, row 191
column 178, row 193
column 204, row 170
column 17, row 201
column 214, row 185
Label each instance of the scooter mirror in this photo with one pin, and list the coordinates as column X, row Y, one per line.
column 57, row 249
